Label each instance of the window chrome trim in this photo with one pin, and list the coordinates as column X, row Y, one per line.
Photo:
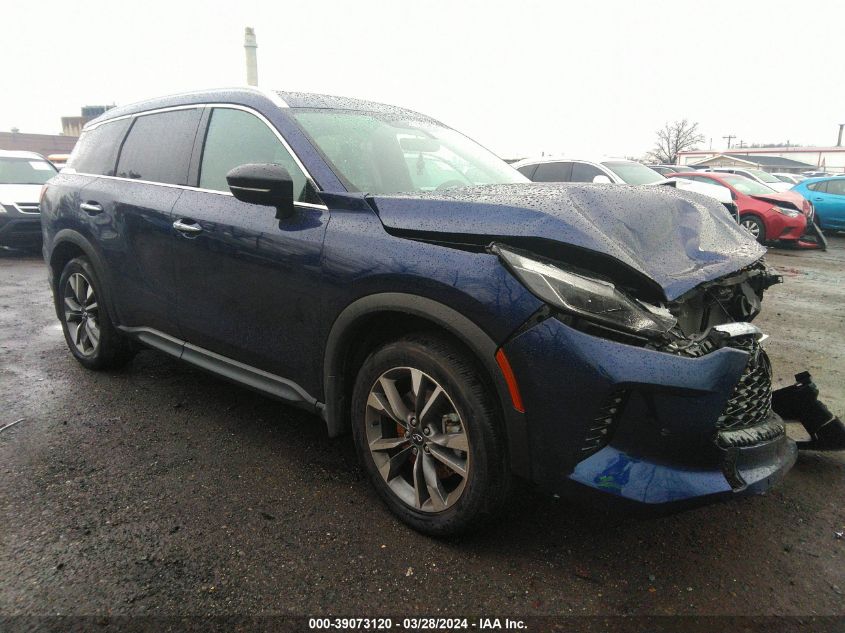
column 230, row 106
column 95, row 125
column 275, row 97
column 296, row 203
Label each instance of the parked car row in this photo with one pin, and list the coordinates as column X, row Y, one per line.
column 767, row 214
column 22, row 175
column 618, row 171
column 772, row 207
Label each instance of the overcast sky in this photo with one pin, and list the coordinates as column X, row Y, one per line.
column 520, row 77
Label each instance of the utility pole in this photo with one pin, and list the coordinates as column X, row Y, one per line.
column 729, row 138
column 250, row 48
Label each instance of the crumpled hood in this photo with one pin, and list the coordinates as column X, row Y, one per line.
column 677, row 239
column 791, row 198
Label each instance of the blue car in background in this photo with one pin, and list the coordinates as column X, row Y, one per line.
column 379, row 269
column 828, row 198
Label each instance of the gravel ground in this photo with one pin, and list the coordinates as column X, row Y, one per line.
column 158, row 489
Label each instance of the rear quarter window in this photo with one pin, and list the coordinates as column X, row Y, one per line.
column 96, row 150
column 527, row 171
column 158, row 147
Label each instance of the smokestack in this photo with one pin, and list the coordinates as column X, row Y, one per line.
column 839, row 142
column 250, row 47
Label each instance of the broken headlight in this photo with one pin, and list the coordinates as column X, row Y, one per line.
column 790, row 213
column 584, row 296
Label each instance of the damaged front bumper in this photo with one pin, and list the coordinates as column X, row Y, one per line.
column 800, row 402
column 648, row 426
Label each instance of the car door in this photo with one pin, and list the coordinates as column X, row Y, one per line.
column 131, row 208
column 249, row 283
column 828, row 198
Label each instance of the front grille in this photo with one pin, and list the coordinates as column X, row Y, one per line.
column 27, row 207
column 750, row 403
column 604, row 422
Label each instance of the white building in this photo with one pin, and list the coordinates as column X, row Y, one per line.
column 780, row 159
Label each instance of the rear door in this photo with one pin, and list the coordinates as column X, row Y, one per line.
column 250, row 284
column 828, row 197
column 132, row 210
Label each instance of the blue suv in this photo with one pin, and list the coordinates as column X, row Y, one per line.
column 388, row 274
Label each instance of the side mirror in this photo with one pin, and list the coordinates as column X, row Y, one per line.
column 602, row 179
column 263, row 183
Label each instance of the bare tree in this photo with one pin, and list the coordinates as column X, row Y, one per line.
column 673, row 138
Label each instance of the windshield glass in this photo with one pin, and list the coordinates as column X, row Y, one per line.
column 633, row 173
column 762, row 175
column 746, row 185
column 25, row 171
column 385, row 153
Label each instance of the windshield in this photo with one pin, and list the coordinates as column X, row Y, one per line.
column 25, row 171
column 633, row 173
column 762, row 175
column 746, row 185
column 381, row 153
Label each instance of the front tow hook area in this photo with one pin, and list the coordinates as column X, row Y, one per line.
column 801, row 402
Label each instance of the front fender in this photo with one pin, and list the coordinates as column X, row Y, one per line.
column 336, row 411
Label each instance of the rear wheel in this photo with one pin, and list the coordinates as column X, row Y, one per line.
column 90, row 335
column 428, row 434
column 754, row 225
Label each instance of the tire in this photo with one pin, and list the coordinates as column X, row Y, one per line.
column 460, row 426
column 755, row 226
column 81, row 306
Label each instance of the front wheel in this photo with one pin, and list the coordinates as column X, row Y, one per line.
column 755, row 226
column 428, row 433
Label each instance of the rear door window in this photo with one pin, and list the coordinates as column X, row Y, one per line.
column 836, row 187
column 158, row 148
column 236, row 138
column 96, row 150
column 584, row 172
column 553, row 172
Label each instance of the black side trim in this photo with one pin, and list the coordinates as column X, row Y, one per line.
column 336, row 411
column 235, row 371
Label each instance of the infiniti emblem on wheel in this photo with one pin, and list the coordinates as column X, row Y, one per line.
column 418, row 439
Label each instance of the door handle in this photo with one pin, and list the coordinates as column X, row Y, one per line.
column 190, row 229
column 91, row 208
column 818, row 199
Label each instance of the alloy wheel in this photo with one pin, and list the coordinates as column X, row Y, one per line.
column 752, row 227
column 82, row 314
column 417, row 439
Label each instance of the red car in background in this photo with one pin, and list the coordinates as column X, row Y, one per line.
column 767, row 214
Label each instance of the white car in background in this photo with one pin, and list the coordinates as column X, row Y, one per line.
column 21, row 176
column 790, row 178
column 757, row 175
column 620, row 171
